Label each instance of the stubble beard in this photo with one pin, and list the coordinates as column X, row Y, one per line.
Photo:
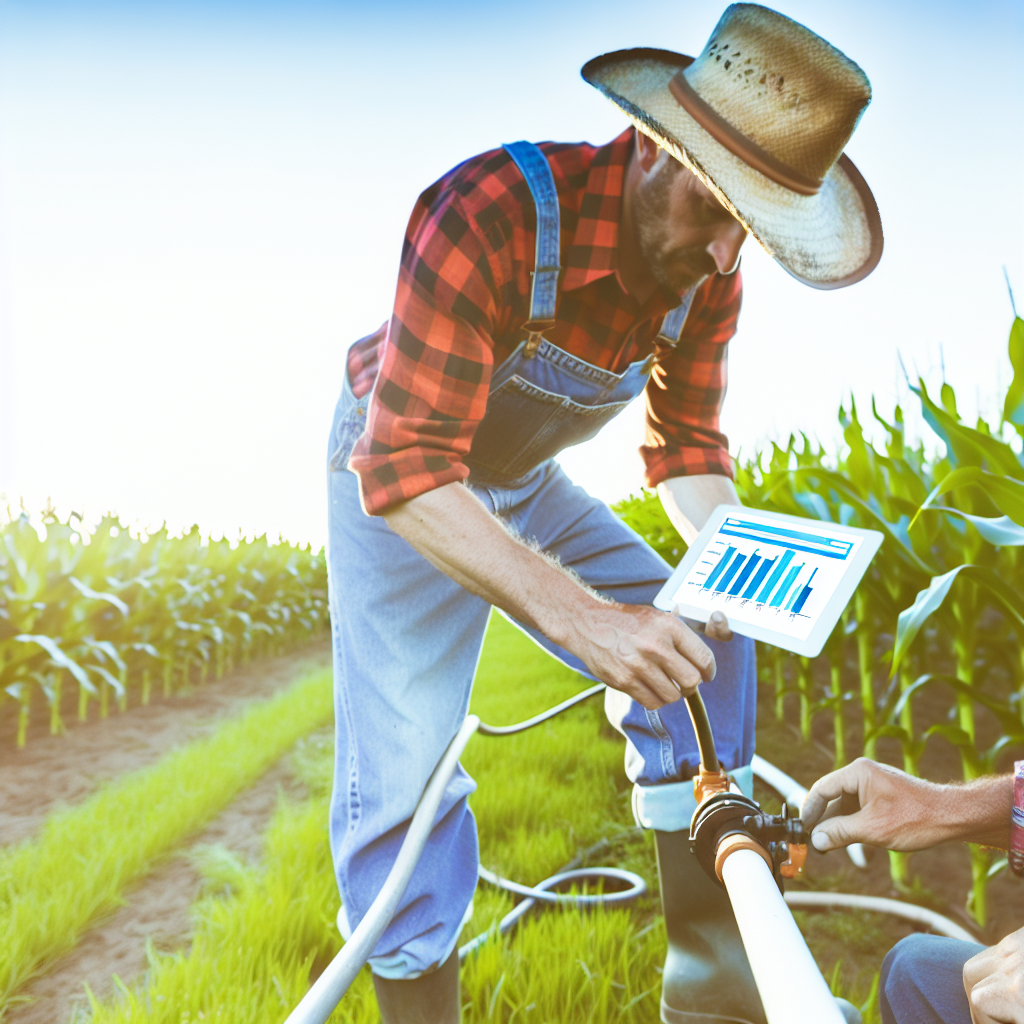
column 675, row 268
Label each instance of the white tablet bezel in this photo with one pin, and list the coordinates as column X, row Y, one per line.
column 870, row 542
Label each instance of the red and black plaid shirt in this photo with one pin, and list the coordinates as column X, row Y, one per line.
column 464, row 294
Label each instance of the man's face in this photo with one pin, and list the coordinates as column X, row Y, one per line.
column 683, row 232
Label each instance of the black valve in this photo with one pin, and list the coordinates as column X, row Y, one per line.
column 729, row 814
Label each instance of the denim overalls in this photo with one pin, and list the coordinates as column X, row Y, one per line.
column 407, row 638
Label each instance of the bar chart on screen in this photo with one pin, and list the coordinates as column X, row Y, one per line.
column 779, row 574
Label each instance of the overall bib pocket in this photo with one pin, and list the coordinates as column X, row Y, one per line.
column 526, row 425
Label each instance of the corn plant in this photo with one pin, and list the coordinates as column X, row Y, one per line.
column 111, row 614
column 940, row 609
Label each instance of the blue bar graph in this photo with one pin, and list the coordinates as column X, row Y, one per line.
column 717, row 571
column 775, row 576
column 730, row 572
column 804, row 594
column 759, row 577
column 745, row 574
column 793, row 594
column 780, row 594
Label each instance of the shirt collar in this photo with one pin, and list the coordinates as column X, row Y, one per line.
column 594, row 249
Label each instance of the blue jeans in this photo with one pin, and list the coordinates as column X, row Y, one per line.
column 922, row 981
column 407, row 640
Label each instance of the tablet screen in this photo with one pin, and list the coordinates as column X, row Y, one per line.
column 778, row 573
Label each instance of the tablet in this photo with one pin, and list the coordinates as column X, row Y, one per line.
column 778, row 578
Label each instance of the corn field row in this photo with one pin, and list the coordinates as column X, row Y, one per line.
column 116, row 616
column 930, row 649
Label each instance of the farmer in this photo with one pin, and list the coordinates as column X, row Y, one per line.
column 540, row 291
column 929, row 979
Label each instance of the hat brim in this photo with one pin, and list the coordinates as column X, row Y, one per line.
column 828, row 240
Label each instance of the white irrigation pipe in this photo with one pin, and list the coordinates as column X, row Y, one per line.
column 794, row 794
column 779, row 950
column 789, row 983
column 320, row 1001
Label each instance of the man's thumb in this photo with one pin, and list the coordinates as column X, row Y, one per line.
column 831, row 834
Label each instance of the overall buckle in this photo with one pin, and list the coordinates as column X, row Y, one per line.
column 535, row 335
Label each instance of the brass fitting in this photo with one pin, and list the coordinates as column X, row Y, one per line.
column 739, row 841
column 794, row 866
column 707, row 783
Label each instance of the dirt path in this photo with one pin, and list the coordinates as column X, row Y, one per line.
column 53, row 770
column 156, row 909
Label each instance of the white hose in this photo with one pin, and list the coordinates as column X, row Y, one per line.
column 541, row 892
column 910, row 911
column 791, row 987
column 320, row 1001
column 794, row 794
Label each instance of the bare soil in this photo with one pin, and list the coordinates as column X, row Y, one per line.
column 63, row 770
column 156, row 910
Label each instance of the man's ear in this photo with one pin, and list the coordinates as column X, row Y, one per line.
column 647, row 151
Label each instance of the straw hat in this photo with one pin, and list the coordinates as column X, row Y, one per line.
column 761, row 117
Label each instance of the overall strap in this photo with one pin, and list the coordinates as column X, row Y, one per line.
column 675, row 319
column 544, row 293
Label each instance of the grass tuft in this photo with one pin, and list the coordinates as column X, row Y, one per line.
column 75, row 870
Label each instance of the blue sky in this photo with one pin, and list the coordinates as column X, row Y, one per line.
column 201, row 207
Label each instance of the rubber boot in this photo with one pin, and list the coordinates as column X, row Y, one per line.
column 707, row 978
column 429, row 999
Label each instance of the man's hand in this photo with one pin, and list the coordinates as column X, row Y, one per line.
column 651, row 655
column 872, row 803
column 717, row 627
column 994, row 982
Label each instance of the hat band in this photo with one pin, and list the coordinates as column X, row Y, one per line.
column 736, row 142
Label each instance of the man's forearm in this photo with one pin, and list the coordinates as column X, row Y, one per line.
column 979, row 812
column 452, row 529
column 652, row 656
column 689, row 500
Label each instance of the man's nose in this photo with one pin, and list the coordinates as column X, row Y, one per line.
column 725, row 248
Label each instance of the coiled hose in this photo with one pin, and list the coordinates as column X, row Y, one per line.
column 541, row 892
column 327, row 991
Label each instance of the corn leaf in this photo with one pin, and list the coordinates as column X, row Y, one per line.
column 929, row 600
column 58, row 657
column 1006, row 715
column 1007, row 494
column 107, row 648
column 958, row 738
column 966, row 446
column 872, row 517
column 96, row 595
column 999, row 531
column 1013, row 407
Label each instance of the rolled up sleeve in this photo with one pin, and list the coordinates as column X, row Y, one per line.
column 687, row 389
column 431, row 389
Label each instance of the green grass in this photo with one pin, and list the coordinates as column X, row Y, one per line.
column 53, row 886
column 543, row 797
column 263, row 932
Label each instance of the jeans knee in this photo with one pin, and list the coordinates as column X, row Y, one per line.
column 922, row 981
column 901, row 966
